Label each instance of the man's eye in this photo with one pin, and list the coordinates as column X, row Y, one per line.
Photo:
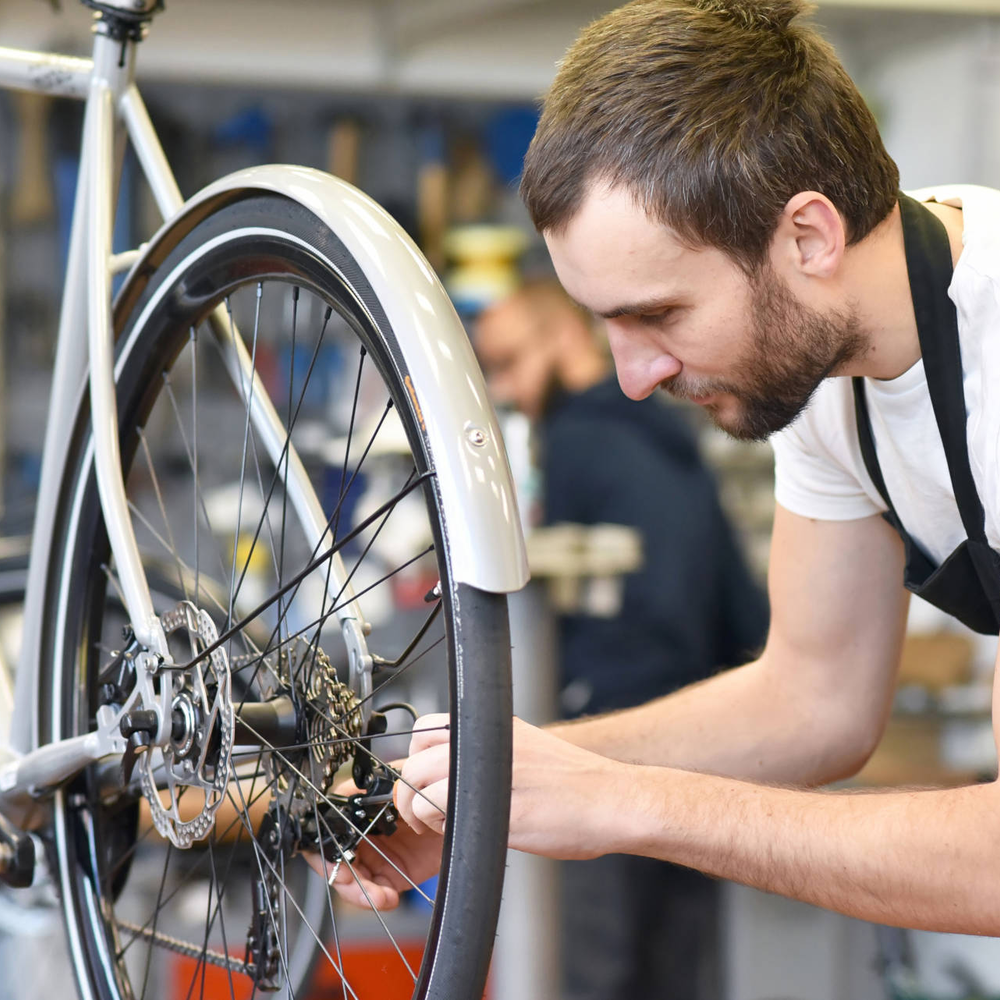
column 660, row 318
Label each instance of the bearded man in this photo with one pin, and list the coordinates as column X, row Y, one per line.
column 709, row 180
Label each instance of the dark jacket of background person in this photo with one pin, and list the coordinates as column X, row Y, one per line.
column 631, row 928
column 692, row 608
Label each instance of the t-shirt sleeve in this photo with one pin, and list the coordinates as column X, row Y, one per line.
column 812, row 481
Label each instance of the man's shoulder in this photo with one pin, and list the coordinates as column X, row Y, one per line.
column 980, row 223
column 976, row 197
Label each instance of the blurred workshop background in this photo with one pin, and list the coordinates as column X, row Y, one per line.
column 428, row 106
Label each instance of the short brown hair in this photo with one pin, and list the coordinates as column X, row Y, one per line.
column 713, row 113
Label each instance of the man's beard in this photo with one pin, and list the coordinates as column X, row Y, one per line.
column 792, row 349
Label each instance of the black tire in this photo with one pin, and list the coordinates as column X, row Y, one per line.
column 264, row 242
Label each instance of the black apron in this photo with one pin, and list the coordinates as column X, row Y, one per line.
column 967, row 583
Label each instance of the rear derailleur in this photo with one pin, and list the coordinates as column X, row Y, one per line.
column 333, row 827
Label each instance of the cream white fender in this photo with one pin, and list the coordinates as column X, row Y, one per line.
column 462, row 438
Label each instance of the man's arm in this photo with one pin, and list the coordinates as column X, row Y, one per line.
column 923, row 859
column 813, row 706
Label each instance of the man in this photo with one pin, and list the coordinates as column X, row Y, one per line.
column 708, row 178
column 633, row 928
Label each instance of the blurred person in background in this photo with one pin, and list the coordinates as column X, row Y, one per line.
column 633, row 928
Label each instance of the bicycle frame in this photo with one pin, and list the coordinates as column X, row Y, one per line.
column 467, row 437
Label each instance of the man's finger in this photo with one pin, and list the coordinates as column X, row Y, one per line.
column 367, row 893
column 420, row 772
column 429, row 807
column 430, row 731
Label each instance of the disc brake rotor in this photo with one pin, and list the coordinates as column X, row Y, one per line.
column 195, row 763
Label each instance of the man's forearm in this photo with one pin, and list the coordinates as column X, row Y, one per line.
column 923, row 859
column 745, row 723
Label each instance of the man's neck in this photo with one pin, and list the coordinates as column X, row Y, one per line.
column 877, row 274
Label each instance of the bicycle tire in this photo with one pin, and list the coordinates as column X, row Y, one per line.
column 263, row 240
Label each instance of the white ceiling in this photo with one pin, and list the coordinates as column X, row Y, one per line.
column 505, row 48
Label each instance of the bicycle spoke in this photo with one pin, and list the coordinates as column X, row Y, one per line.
column 412, row 645
column 324, row 615
column 106, row 569
column 195, row 481
column 319, row 943
column 172, row 546
column 192, row 457
column 344, row 741
column 248, row 399
column 258, row 857
column 159, row 897
column 336, row 519
column 319, row 622
column 336, row 512
column 202, row 966
column 350, row 436
column 374, row 909
column 286, row 448
column 181, row 565
column 194, row 869
column 301, row 575
column 333, row 915
column 218, row 906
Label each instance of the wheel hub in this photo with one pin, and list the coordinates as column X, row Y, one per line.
column 183, row 725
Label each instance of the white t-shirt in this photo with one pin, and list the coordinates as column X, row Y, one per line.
column 819, row 471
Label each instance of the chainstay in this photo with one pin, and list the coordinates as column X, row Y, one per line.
column 189, row 950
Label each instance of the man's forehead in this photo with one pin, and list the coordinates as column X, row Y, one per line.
column 611, row 254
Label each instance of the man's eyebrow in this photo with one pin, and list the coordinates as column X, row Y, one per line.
column 650, row 306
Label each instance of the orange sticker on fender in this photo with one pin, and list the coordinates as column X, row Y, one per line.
column 416, row 405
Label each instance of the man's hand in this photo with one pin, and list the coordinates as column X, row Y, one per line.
column 385, row 866
column 562, row 805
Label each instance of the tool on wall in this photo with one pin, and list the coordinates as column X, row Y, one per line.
column 32, row 201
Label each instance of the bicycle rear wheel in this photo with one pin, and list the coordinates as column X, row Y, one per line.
column 215, row 507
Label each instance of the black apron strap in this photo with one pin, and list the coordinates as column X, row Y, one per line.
column 929, row 266
column 928, row 262
column 868, row 453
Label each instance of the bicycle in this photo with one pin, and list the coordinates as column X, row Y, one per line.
column 199, row 687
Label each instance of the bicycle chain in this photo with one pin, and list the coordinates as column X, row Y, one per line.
column 208, row 955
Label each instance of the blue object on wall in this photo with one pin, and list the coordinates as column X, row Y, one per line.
column 507, row 137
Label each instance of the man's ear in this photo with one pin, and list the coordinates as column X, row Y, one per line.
column 810, row 237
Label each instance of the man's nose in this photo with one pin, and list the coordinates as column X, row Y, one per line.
column 640, row 362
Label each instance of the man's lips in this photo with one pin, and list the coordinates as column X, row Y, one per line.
column 679, row 392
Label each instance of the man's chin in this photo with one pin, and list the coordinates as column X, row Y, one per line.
column 748, row 423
